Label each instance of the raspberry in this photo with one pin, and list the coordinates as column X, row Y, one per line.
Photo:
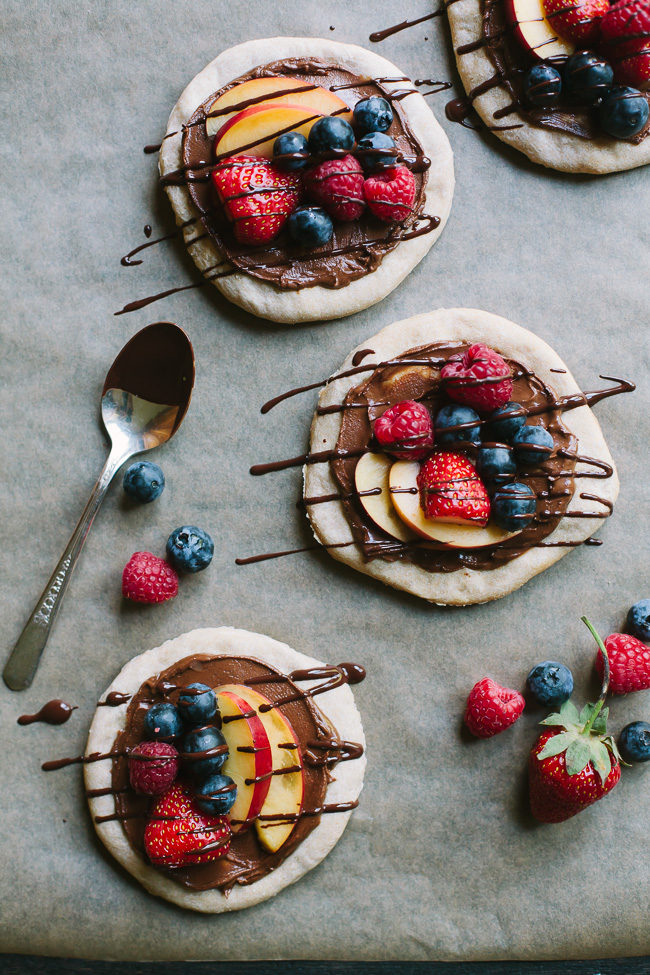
column 629, row 663
column 625, row 39
column 472, row 377
column 148, row 579
column 152, row 776
column 492, row 708
column 405, row 431
column 337, row 184
column 391, row 193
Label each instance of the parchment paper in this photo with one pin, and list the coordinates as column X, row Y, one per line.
column 440, row 861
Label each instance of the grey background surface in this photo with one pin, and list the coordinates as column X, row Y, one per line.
column 440, row 861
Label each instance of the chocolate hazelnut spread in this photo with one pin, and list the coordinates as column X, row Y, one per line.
column 357, row 247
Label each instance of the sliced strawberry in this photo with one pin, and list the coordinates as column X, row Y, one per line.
column 391, row 193
column 257, row 197
column 178, row 833
column 625, row 41
column 576, row 20
column 451, row 490
column 337, row 184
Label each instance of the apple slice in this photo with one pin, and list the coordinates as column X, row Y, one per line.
column 534, row 32
column 403, row 474
column 372, row 472
column 277, row 89
column 254, row 130
column 250, row 760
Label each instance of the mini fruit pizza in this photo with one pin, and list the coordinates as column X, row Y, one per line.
column 454, row 456
column 210, row 766
column 308, row 177
column 566, row 83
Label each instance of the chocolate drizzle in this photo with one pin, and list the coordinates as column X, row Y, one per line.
column 54, row 712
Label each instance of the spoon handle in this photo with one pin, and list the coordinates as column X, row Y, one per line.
column 24, row 659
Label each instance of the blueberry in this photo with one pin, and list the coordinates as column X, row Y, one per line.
column 495, row 465
column 310, row 226
column 513, row 506
column 587, row 76
column 453, row 416
column 623, row 112
column 190, row 549
column 204, row 752
column 503, row 427
column 376, row 160
column 532, row 444
column 634, row 742
column 638, row 620
column 542, row 85
column 216, row 795
column 330, row 133
column 550, row 683
column 144, row 481
column 162, row 722
column 198, row 708
column 373, row 114
column 291, row 144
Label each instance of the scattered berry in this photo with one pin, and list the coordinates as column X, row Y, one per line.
column 376, row 160
column 337, row 184
column 503, row 426
column 154, row 773
column 144, row 481
column 634, row 742
column 451, row 490
column 148, row 579
column 197, row 705
column 256, row 217
column 495, row 465
column 588, row 77
column 623, row 112
column 492, row 708
column 453, row 416
column 329, row 133
column 514, row 506
column 629, row 663
column 576, row 20
column 292, row 149
column 550, row 683
column 190, row 549
column 533, row 444
column 216, row 795
column 405, row 431
column 390, row 194
column 204, row 752
column 373, row 114
column 625, row 38
column 542, row 85
column 310, row 226
column 163, row 721
column 178, row 831
column 479, row 377
column 638, row 619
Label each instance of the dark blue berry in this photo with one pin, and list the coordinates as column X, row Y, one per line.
column 503, row 427
column 542, row 85
column 310, row 226
column 495, row 465
column 550, row 683
column 623, row 112
column 204, row 752
column 376, row 160
column 513, row 506
column 638, row 620
column 294, row 146
column 455, row 416
column 163, row 722
column 373, row 114
column 144, row 481
column 587, row 76
column 634, row 742
column 198, row 705
column 330, row 133
column 190, row 549
column 532, row 444
column 216, row 795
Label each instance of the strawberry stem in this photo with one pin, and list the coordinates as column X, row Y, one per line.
column 603, row 694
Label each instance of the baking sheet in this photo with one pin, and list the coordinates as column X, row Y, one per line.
column 440, row 861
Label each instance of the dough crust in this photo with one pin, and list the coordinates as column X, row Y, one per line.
column 557, row 150
column 464, row 586
column 310, row 304
column 337, row 705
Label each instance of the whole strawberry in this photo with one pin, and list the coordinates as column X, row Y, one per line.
column 576, row 20
column 337, row 184
column 390, row 194
column 153, row 766
column 405, row 431
column 179, row 834
column 451, row 490
column 479, row 378
column 258, row 198
column 491, row 708
column 629, row 663
column 625, row 41
column 148, row 579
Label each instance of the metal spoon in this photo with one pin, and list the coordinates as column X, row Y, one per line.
column 144, row 399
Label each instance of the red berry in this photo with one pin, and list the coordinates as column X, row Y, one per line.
column 390, row 194
column 148, row 579
column 625, row 41
column 156, row 772
column 629, row 663
column 492, row 708
column 473, row 378
column 178, row 833
column 577, row 20
column 405, row 430
column 337, row 184
column 257, row 216
column 556, row 794
column 451, row 490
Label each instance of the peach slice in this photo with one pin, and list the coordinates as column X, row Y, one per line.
column 372, row 472
column 403, row 474
column 278, row 89
column 534, row 32
column 254, row 130
column 250, row 760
